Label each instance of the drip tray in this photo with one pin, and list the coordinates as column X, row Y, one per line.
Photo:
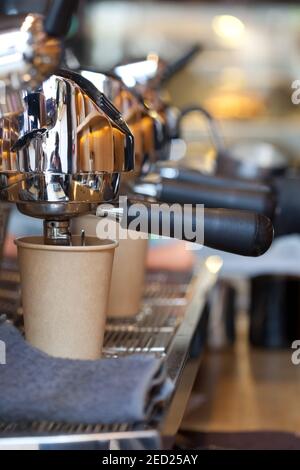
column 172, row 313
column 150, row 332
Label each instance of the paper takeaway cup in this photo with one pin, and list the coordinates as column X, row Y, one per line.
column 65, row 293
column 128, row 278
column 128, row 274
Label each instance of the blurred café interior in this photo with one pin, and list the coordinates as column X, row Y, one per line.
column 164, row 102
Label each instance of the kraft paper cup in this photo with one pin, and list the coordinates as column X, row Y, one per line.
column 65, row 293
column 128, row 274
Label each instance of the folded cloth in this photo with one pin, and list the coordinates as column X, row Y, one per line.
column 37, row 387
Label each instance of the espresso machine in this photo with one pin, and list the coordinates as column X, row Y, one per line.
column 246, row 176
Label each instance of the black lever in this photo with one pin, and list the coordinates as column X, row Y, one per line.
column 240, row 232
column 59, row 16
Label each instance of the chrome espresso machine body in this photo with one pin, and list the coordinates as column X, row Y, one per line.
column 28, row 55
column 71, row 146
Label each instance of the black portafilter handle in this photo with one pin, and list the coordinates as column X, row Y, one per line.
column 240, row 232
column 59, row 16
column 216, row 197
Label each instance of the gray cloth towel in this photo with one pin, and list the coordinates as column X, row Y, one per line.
column 37, row 387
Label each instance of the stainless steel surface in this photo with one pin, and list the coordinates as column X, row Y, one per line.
column 117, row 437
column 168, row 331
column 147, row 189
column 69, row 148
column 4, row 219
column 27, row 56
